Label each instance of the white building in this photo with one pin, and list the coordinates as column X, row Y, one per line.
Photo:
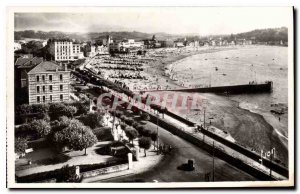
column 64, row 50
column 17, row 46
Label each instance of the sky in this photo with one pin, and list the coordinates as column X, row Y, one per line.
column 172, row 20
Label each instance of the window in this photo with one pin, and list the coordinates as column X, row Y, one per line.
column 43, row 78
column 37, row 78
column 38, row 99
column 50, row 88
column 61, row 87
column 44, row 89
column 38, row 89
column 50, row 78
column 44, row 99
column 61, row 97
column 61, row 77
column 50, row 98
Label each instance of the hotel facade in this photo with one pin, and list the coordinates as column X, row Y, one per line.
column 64, row 50
column 48, row 83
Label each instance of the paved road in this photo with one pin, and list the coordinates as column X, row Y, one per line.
column 166, row 170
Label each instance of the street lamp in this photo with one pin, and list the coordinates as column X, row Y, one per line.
column 157, row 131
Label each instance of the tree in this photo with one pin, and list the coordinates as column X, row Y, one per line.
column 154, row 137
column 140, row 129
column 145, row 116
column 21, row 144
column 75, row 136
column 69, row 111
column 123, row 126
column 135, row 124
column 60, row 124
column 129, row 121
column 92, row 120
column 131, row 133
column 145, row 143
column 40, row 126
column 57, row 110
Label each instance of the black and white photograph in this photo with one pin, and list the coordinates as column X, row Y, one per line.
column 150, row 97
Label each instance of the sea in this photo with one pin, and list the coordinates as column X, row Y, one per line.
column 243, row 65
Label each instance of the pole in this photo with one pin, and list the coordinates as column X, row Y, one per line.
column 157, row 132
column 213, row 175
column 112, row 128
column 204, row 118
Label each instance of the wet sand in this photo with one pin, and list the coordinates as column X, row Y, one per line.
column 248, row 128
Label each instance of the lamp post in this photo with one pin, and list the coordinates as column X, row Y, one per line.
column 157, row 132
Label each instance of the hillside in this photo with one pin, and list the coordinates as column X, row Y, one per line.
column 91, row 35
column 265, row 35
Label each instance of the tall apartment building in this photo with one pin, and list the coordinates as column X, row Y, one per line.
column 64, row 50
column 48, row 82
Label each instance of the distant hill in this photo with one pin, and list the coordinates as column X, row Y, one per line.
column 91, row 35
column 264, row 35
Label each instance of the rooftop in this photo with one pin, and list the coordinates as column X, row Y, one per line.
column 46, row 66
column 28, row 62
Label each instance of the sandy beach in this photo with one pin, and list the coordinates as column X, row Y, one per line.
column 256, row 131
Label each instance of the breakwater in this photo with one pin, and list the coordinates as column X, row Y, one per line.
column 235, row 89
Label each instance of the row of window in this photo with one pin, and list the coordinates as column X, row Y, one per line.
column 63, row 57
column 43, row 99
column 50, row 88
column 50, row 78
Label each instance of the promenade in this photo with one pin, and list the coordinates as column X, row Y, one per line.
column 192, row 131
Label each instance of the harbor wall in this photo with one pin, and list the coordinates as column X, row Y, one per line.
column 236, row 89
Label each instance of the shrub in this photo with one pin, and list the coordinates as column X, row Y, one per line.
column 92, row 120
column 42, row 127
column 123, row 126
column 129, row 121
column 57, row 110
column 123, row 118
column 145, row 116
column 103, row 134
column 135, row 124
column 21, row 144
column 67, row 174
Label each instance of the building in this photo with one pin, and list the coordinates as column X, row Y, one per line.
column 17, row 46
column 22, row 66
column 166, row 43
column 152, row 43
column 89, row 50
column 48, row 82
column 126, row 46
column 64, row 50
column 178, row 44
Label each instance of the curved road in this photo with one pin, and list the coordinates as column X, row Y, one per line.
column 166, row 170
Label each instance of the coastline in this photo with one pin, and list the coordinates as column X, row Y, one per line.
column 228, row 115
